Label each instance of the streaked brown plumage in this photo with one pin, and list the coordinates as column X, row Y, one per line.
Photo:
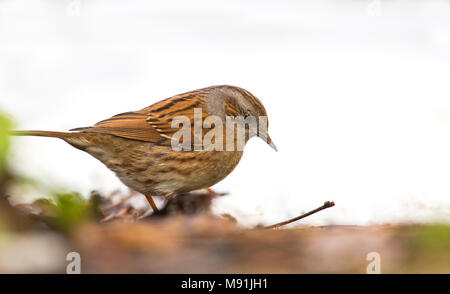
column 136, row 145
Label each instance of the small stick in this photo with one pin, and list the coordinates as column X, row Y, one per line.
column 326, row 205
column 123, row 200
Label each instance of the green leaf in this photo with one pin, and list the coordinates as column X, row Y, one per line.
column 5, row 128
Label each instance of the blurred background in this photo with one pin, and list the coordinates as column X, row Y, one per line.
column 357, row 94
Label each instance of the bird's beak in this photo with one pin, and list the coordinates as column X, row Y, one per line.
column 264, row 135
column 271, row 143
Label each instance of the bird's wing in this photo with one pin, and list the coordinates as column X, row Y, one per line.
column 154, row 123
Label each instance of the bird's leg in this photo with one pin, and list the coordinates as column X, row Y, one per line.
column 152, row 203
column 211, row 191
column 214, row 193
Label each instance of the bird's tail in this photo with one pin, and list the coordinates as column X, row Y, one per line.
column 78, row 140
column 61, row 135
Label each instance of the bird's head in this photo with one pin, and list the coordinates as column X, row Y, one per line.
column 239, row 103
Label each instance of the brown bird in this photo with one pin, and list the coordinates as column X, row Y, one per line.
column 138, row 145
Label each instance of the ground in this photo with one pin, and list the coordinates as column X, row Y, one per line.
column 186, row 238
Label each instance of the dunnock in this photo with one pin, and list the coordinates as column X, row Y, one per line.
column 138, row 145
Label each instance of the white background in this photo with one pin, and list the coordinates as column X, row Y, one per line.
column 357, row 94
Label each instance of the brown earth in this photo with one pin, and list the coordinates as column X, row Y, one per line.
column 182, row 240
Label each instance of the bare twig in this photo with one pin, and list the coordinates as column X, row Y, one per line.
column 123, row 200
column 326, row 205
